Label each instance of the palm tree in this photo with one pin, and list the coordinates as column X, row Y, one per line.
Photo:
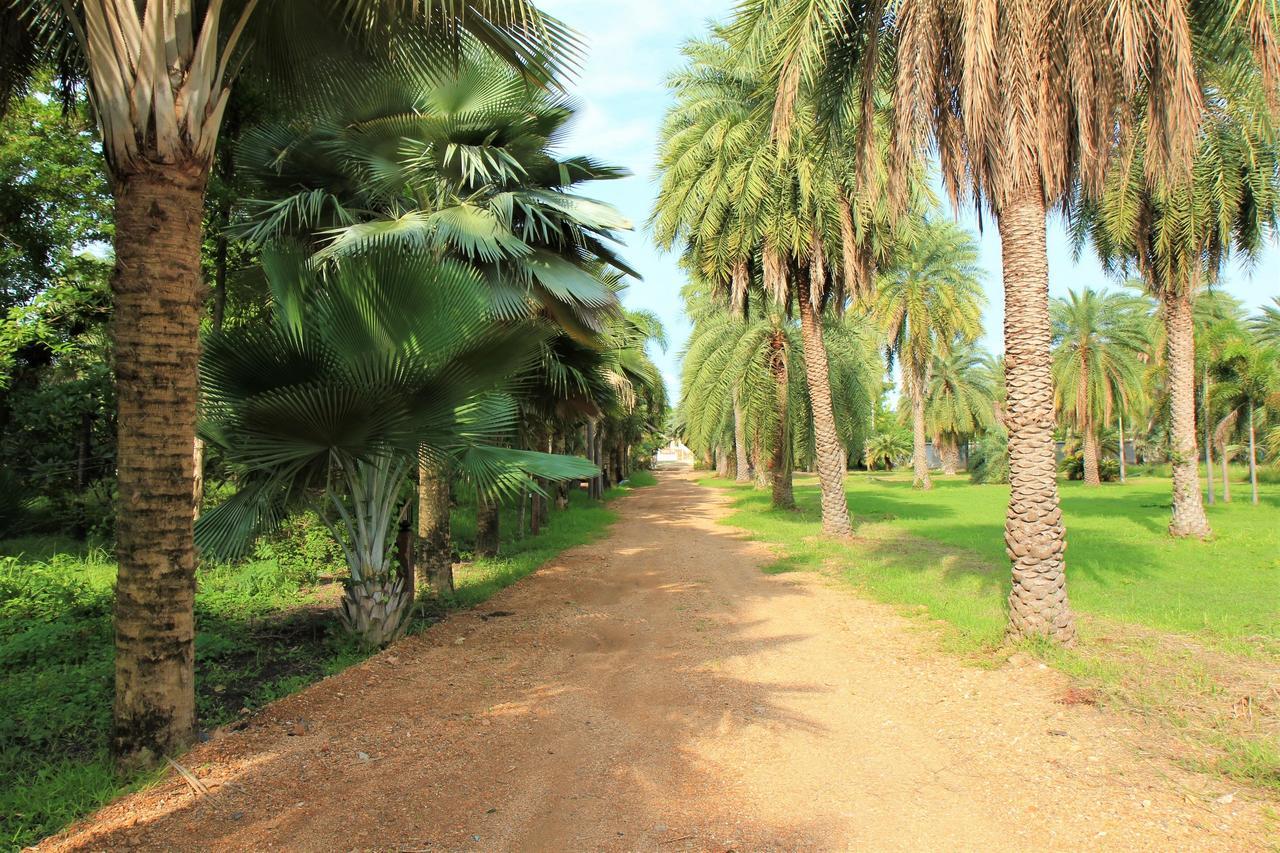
column 388, row 360
column 926, row 299
column 1099, row 340
column 1249, row 382
column 961, row 400
column 1267, row 325
column 746, row 207
column 887, row 448
column 1180, row 233
column 159, row 79
column 1019, row 101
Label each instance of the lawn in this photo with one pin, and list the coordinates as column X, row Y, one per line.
column 264, row 629
column 1184, row 631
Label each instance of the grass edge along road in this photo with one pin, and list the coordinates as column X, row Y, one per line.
column 260, row 637
column 1214, row 693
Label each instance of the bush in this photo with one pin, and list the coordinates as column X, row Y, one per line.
column 1073, row 466
column 989, row 459
column 303, row 547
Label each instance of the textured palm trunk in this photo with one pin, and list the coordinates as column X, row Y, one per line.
column 1188, row 508
column 434, row 559
column 743, row 472
column 950, row 454
column 156, row 326
column 780, row 463
column 487, row 533
column 1208, row 443
column 1092, row 477
column 1120, row 429
column 1226, row 471
column 1034, row 534
column 827, row 447
column 760, row 466
column 919, row 458
column 1253, row 459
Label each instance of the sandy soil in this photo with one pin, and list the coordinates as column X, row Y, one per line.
column 656, row 691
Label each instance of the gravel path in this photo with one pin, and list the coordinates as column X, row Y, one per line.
column 656, row 691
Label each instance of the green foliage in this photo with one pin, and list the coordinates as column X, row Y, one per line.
column 989, row 458
column 887, row 448
column 1072, row 465
column 302, row 547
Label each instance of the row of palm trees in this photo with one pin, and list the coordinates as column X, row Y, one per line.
column 444, row 306
column 794, row 160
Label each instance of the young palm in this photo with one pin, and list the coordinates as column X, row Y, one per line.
column 1249, row 382
column 930, row 296
column 389, row 360
column 1100, row 341
column 1019, row 100
column 961, row 400
column 159, row 78
column 1179, row 234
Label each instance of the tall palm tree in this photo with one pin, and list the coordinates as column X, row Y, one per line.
column 1249, row 382
column 745, row 206
column 159, row 77
column 1180, row 233
column 1099, row 342
column 1267, row 324
column 1019, row 100
column 961, row 400
column 929, row 297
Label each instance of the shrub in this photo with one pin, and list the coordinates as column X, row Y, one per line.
column 1073, row 466
column 303, row 547
column 989, row 459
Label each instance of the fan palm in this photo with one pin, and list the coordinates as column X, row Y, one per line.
column 746, row 207
column 1178, row 234
column 159, row 77
column 930, row 296
column 1019, row 100
column 1100, row 341
column 391, row 359
column 961, row 399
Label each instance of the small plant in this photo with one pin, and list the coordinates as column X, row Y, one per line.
column 1073, row 466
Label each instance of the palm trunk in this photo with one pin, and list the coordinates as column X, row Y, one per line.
column 487, row 533
column 743, row 472
column 1034, row 534
column 919, row 458
column 950, row 453
column 1226, row 479
column 1120, row 426
column 760, row 467
column 1092, row 477
column 156, row 329
column 1188, row 508
column 434, row 560
column 1253, row 459
column 780, row 464
column 1208, row 443
column 826, row 439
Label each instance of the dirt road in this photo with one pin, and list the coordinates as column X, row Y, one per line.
column 656, row 691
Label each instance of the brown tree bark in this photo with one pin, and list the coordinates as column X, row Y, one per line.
column 742, row 471
column 1035, row 538
column 157, row 286
column 1253, row 459
column 1089, row 454
column 722, row 463
column 1208, row 442
column 919, row 457
column 487, row 534
column 434, row 559
column 1188, row 508
column 780, row 463
column 950, row 454
column 827, row 445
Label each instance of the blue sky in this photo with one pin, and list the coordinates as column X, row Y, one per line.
column 631, row 47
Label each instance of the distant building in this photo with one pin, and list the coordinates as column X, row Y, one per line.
column 674, row 453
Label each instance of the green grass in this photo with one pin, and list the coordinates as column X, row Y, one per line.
column 1178, row 631
column 262, row 633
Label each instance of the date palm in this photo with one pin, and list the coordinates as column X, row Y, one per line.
column 745, row 206
column 159, row 78
column 1267, row 324
column 961, row 399
column 1249, row 383
column 1019, row 101
column 1178, row 235
column 1099, row 344
column 926, row 299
